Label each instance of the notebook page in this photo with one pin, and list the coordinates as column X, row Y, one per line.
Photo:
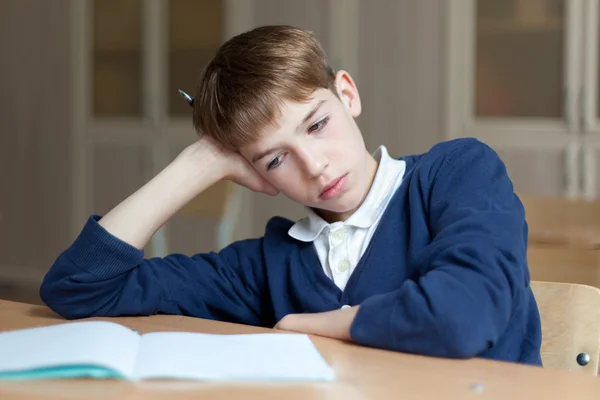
column 77, row 343
column 230, row 357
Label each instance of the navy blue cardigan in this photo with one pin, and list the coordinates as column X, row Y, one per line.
column 445, row 273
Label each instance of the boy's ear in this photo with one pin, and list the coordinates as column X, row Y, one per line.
column 348, row 93
column 346, row 103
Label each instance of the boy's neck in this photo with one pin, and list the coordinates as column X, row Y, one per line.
column 330, row 217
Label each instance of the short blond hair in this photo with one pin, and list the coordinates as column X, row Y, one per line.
column 242, row 89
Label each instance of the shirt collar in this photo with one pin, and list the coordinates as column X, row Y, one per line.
column 388, row 171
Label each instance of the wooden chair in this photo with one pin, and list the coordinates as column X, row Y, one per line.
column 570, row 315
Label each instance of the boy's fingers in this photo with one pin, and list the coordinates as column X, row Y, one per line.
column 256, row 183
column 270, row 190
column 265, row 187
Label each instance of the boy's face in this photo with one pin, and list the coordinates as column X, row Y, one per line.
column 316, row 155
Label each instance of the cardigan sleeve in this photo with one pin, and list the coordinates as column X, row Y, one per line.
column 475, row 270
column 100, row 275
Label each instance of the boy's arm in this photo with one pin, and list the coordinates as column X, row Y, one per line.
column 475, row 266
column 200, row 165
column 103, row 273
column 102, row 276
column 334, row 324
column 476, row 269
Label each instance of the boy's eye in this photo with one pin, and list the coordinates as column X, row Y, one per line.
column 275, row 162
column 319, row 125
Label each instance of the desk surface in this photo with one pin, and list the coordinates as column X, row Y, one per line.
column 363, row 373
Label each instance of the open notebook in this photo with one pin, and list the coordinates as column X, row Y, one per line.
column 101, row 349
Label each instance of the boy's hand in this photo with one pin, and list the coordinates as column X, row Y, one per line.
column 232, row 166
column 334, row 324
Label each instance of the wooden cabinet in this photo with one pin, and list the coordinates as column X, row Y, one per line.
column 522, row 76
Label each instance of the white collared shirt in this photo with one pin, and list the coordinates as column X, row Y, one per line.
column 340, row 245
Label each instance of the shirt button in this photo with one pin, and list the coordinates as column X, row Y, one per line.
column 343, row 266
column 340, row 234
column 345, row 306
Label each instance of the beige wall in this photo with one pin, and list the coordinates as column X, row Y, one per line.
column 35, row 190
column 399, row 74
column 34, row 112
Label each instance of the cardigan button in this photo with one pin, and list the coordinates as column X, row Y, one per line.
column 345, row 306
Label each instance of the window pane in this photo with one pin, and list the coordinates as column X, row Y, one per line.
column 519, row 58
column 196, row 30
column 117, row 58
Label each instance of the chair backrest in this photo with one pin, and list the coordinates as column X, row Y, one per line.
column 570, row 315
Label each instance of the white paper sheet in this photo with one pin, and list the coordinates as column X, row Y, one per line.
column 230, row 357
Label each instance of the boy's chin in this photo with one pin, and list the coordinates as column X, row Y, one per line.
column 337, row 211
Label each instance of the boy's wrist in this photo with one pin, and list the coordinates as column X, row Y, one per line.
column 334, row 324
column 199, row 163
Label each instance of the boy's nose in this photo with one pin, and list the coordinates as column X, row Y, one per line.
column 316, row 167
column 315, row 164
column 313, row 160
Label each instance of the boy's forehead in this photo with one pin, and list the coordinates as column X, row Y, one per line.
column 292, row 113
column 289, row 115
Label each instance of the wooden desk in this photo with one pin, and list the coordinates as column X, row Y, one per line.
column 363, row 373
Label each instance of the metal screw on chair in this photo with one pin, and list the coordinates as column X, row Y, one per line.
column 583, row 359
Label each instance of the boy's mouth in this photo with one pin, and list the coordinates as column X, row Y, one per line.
column 334, row 188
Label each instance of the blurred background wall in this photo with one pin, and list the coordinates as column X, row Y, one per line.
column 89, row 109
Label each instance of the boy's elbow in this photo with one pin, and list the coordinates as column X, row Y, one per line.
column 465, row 340
column 49, row 295
column 58, row 294
column 53, row 298
column 465, row 346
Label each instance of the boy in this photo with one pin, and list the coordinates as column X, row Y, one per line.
column 425, row 254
